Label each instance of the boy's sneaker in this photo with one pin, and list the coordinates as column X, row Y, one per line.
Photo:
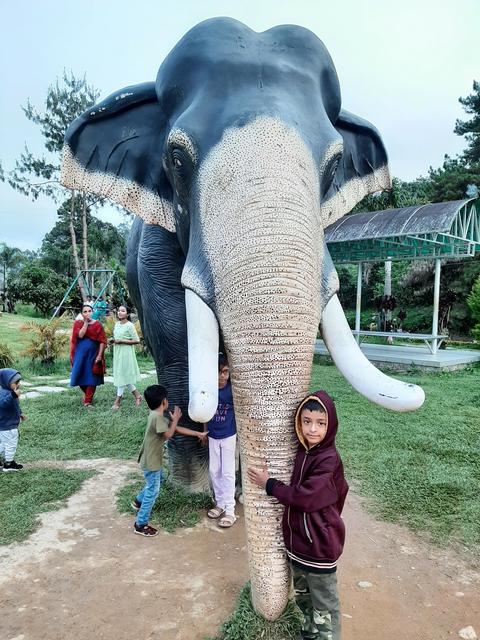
column 144, row 530
column 12, row 466
column 135, row 504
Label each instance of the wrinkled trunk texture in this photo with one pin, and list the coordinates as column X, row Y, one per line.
column 262, row 237
column 268, row 307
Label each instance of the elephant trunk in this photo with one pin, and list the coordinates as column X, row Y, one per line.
column 269, row 336
column 262, row 238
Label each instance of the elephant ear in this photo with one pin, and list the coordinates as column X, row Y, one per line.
column 114, row 150
column 363, row 168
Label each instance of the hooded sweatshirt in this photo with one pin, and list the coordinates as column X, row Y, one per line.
column 10, row 411
column 313, row 529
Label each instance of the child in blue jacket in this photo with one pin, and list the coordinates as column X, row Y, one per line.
column 10, row 417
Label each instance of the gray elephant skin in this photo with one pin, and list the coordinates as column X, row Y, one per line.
column 235, row 160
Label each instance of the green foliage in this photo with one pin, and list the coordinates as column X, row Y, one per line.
column 450, row 181
column 402, row 194
column 471, row 128
column 38, row 285
column 105, row 242
column 6, row 356
column 47, row 341
column 64, row 102
column 473, row 302
column 24, row 495
column 418, row 319
column 246, row 624
column 27, row 310
column 174, row 507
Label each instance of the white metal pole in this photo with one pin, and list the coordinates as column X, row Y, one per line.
column 436, row 298
column 358, row 308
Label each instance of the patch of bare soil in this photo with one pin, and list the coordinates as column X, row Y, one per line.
column 84, row 575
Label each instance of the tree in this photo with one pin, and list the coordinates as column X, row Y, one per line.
column 474, row 305
column 38, row 285
column 9, row 258
column 33, row 175
column 106, row 243
column 402, row 194
column 450, row 181
column 471, row 128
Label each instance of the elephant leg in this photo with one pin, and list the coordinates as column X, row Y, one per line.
column 159, row 265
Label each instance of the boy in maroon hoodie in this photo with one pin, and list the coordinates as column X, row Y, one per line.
column 313, row 529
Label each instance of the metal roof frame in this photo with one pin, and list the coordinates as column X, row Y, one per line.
column 423, row 232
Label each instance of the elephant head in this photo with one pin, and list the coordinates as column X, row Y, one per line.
column 236, row 159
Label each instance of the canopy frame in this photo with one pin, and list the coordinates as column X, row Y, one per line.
column 427, row 232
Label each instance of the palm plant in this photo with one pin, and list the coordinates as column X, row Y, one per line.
column 47, row 342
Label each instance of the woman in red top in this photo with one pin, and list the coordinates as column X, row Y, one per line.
column 87, row 346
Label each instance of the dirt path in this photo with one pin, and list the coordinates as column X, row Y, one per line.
column 84, row 575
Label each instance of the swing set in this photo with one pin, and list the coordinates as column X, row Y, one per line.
column 96, row 283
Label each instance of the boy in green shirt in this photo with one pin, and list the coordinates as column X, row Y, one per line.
column 159, row 429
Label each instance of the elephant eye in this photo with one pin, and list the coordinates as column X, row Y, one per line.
column 181, row 163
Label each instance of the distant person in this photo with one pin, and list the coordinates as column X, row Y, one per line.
column 100, row 309
column 10, row 417
column 125, row 367
column 222, row 439
column 87, row 347
column 159, row 429
column 313, row 530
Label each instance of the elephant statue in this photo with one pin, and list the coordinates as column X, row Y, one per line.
column 235, row 160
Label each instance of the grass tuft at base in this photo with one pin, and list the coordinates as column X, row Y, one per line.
column 246, row 624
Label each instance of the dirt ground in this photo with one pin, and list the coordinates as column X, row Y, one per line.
column 84, row 575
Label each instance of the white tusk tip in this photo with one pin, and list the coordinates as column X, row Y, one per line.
column 202, row 406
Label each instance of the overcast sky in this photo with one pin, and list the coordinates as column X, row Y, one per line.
column 401, row 65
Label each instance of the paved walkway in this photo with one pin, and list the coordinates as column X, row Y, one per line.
column 40, row 385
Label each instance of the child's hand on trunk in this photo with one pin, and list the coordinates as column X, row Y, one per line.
column 258, row 476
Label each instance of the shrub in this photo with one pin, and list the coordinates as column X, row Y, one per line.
column 38, row 285
column 473, row 302
column 47, row 342
column 6, row 356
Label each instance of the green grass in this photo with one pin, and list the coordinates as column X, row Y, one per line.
column 25, row 494
column 174, row 507
column 17, row 340
column 420, row 468
column 12, row 335
column 246, row 624
column 60, row 428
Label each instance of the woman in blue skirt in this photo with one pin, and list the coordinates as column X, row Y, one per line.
column 87, row 346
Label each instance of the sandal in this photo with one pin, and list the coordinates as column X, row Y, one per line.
column 215, row 513
column 227, row 521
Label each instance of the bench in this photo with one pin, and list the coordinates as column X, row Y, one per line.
column 432, row 342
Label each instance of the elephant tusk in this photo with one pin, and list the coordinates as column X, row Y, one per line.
column 358, row 370
column 202, row 336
